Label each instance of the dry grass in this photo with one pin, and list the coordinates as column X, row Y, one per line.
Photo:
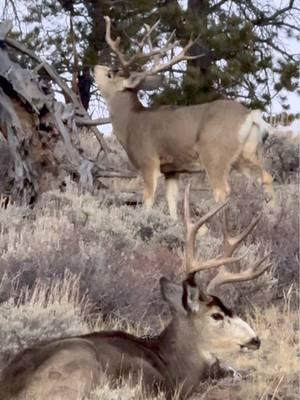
column 120, row 251
column 46, row 311
column 124, row 390
column 78, row 262
column 273, row 372
column 55, row 310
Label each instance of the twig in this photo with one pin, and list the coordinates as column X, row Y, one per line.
column 99, row 173
column 91, row 122
column 277, row 387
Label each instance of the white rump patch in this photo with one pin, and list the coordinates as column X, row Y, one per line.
column 252, row 132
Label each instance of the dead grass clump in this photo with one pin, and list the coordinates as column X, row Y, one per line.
column 45, row 312
column 119, row 252
column 110, row 222
column 12, row 217
column 125, row 390
column 275, row 371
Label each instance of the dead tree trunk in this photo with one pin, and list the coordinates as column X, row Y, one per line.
column 41, row 132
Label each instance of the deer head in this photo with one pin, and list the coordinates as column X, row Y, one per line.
column 217, row 328
column 206, row 321
column 112, row 80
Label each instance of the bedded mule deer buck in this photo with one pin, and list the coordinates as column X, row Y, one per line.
column 202, row 329
column 216, row 136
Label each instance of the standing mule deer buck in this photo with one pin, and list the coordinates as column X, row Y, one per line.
column 202, row 329
column 216, row 136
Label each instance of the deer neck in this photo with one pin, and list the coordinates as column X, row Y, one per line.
column 179, row 347
column 122, row 106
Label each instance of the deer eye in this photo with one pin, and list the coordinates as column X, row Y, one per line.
column 217, row 316
column 109, row 75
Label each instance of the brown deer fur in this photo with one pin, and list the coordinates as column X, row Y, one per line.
column 180, row 357
column 216, row 136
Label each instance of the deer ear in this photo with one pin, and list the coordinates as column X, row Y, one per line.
column 152, row 82
column 140, row 82
column 190, row 298
column 203, row 296
column 172, row 293
column 133, row 81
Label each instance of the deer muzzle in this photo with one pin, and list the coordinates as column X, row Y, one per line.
column 253, row 344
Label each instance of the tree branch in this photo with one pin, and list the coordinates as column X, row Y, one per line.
column 92, row 122
column 69, row 94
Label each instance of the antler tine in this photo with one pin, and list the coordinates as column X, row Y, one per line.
column 232, row 242
column 157, row 54
column 191, row 232
column 171, row 37
column 175, row 60
column 114, row 44
column 147, row 36
column 149, row 55
column 250, row 273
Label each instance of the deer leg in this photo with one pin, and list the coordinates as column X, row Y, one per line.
column 267, row 182
column 172, row 193
column 217, row 168
column 150, row 177
column 220, row 185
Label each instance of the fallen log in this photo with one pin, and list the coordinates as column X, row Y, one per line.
column 43, row 133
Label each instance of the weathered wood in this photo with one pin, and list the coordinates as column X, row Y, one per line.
column 92, row 122
column 68, row 93
column 42, row 133
column 25, row 185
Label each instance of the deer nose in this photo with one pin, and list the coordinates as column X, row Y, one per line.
column 254, row 343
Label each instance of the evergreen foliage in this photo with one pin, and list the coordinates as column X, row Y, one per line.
column 242, row 42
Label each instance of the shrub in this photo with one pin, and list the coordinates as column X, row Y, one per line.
column 121, row 252
column 45, row 312
column 282, row 158
column 125, row 391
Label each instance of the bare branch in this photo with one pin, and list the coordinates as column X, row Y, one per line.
column 92, row 122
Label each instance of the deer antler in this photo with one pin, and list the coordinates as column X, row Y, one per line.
column 230, row 244
column 192, row 265
column 154, row 53
column 114, row 44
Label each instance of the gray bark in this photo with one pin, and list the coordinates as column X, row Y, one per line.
column 42, row 133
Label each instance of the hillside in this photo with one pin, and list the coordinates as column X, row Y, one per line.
column 78, row 262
